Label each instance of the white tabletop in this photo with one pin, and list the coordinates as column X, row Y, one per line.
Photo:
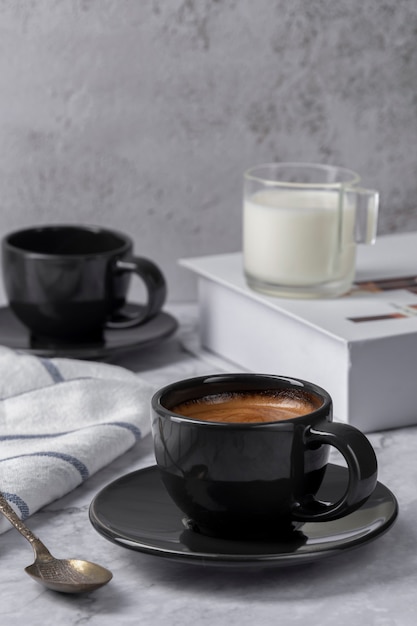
column 373, row 585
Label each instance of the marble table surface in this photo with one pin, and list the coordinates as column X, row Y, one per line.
column 374, row 585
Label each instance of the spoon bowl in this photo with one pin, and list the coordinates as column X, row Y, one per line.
column 69, row 575
column 64, row 575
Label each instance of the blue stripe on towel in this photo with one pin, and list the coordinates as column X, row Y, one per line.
column 133, row 429
column 21, row 504
column 52, row 370
column 79, row 465
column 40, row 436
column 130, row 427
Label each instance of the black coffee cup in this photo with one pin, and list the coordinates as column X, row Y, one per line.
column 67, row 283
column 256, row 472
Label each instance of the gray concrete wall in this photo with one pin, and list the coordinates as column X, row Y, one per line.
column 143, row 114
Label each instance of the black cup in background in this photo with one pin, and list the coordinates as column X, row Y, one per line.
column 65, row 283
column 255, row 480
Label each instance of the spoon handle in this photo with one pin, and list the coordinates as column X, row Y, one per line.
column 36, row 543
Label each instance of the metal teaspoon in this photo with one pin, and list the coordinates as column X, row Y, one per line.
column 65, row 575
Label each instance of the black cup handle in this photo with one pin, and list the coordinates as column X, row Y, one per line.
column 156, row 289
column 362, row 466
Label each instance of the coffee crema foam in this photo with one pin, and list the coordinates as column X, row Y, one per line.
column 250, row 407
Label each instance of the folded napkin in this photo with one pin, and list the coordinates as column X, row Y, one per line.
column 61, row 420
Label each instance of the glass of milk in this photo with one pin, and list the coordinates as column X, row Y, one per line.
column 301, row 224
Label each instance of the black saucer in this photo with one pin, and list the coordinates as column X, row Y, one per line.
column 136, row 512
column 14, row 335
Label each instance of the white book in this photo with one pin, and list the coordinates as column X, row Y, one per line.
column 361, row 347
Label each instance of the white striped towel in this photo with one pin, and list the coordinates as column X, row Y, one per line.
column 61, row 420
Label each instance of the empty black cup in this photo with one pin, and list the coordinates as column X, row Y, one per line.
column 66, row 283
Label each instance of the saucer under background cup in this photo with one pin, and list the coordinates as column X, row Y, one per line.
column 136, row 512
column 13, row 334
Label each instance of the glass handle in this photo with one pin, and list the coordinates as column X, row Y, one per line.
column 366, row 203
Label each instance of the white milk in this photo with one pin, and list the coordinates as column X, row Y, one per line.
column 296, row 238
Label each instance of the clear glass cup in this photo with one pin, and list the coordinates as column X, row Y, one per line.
column 301, row 224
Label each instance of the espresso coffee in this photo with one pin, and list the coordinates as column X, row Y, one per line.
column 250, row 407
